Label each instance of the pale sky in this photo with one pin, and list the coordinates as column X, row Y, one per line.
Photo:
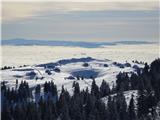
column 81, row 21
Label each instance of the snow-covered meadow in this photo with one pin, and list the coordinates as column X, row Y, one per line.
column 68, row 73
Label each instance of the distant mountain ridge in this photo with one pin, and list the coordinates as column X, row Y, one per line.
column 25, row 42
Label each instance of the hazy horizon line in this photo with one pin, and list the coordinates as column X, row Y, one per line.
column 85, row 44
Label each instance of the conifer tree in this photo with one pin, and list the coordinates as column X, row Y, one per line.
column 131, row 109
column 104, row 89
column 95, row 90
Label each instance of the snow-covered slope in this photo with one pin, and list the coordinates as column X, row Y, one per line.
column 127, row 94
column 65, row 72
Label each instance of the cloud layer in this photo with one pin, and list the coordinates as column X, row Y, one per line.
column 97, row 21
column 20, row 10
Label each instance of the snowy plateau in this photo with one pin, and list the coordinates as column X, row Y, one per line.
column 65, row 72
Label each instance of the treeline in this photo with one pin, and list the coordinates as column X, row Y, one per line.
column 25, row 103
column 12, row 67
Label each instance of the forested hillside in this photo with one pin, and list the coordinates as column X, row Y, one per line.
column 44, row 102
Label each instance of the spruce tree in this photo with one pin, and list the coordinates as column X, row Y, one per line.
column 104, row 89
column 95, row 90
column 131, row 109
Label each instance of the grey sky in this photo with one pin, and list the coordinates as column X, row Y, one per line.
column 81, row 21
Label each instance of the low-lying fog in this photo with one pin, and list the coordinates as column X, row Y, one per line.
column 20, row 55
